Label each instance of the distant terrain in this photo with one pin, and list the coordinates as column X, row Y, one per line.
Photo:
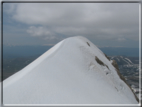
column 129, row 68
column 13, row 65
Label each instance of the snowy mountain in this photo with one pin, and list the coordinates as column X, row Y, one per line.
column 74, row 71
column 124, row 60
column 128, row 66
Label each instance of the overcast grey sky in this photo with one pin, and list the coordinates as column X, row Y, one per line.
column 105, row 24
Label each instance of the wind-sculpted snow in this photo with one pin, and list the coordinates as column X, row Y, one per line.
column 68, row 74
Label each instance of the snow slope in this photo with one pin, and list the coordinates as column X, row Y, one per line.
column 68, row 74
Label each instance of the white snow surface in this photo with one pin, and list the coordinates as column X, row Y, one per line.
column 126, row 61
column 129, row 60
column 68, row 74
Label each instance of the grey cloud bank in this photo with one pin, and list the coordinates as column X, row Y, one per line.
column 115, row 23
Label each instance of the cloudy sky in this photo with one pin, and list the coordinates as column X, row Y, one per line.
column 105, row 24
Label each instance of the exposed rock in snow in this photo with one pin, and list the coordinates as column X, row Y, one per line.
column 68, row 74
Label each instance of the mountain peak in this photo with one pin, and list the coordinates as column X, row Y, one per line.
column 74, row 71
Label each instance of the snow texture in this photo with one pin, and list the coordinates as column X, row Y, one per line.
column 129, row 60
column 68, row 74
column 126, row 61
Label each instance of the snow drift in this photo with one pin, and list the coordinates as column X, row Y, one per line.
column 74, row 71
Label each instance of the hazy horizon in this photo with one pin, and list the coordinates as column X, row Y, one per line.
column 39, row 50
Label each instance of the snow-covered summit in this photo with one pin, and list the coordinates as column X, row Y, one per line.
column 74, row 71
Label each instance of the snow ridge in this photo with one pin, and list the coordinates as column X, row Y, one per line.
column 68, row 73
column 31, row 66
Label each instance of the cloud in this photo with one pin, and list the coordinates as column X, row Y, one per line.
column 40, row 31
column 60, row 14
column 98, row 21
